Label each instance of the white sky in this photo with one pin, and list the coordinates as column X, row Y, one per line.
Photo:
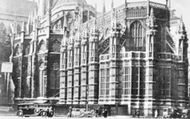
column 182, row 7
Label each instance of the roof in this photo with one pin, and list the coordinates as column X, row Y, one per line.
column 17, row 7
column 61, row 2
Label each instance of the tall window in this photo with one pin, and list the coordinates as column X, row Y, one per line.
column 27, row 49
column 126, row 81
column 54, row 78
column 165, row 75
column 135, row 80
column 136, row 36
column 142, row 81
column 158, row 41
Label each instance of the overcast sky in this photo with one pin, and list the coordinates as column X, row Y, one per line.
column 182, row 7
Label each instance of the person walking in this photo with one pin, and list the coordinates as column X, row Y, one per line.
column 70, row 112
column 97, row 110
column 156, row 113
column 138, row 113
column 105, row 113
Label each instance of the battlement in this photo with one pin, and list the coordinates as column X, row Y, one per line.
column 132, row 10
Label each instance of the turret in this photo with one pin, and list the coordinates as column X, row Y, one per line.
column 93, row 65
column 114, row 32
column 41, row 7
column 150, row 32
column 182, row 44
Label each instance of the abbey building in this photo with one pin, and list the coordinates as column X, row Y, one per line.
column 124, row 59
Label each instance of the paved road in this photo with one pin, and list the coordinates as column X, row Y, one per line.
column 63, row 117
column 16, row 117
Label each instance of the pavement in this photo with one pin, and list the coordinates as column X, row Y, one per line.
column 12, row 115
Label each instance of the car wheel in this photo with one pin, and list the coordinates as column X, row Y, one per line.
column 43, row 113
column 50, row 114
column 20, row 113
column 37, row 111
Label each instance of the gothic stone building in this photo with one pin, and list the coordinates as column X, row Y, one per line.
column 124, row 59
column 12, row 13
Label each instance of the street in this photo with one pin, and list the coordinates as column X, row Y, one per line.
column 60, row 117
column 64, row 117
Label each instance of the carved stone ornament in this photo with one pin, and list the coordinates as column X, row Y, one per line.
column 17, row 50
column 55, row 66
column 41, row 65
column 42, row 47
column 56, row 46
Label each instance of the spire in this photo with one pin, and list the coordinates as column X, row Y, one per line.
column 88, row 13
column 170, row 4
column 126, row 3
column 96, row 7
column 112, row 4
column 113, row 16
column 148, row 8
column 49, row 5
column 152, row 12
column 23, row 27
column 41, row 7
column 152, row 17
column 167, row 3
column 93, row 28
column 104, row 8
column 181, row 18
column 181, row 26
column 103, row 19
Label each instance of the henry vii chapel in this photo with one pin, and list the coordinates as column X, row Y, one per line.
column 123, row 59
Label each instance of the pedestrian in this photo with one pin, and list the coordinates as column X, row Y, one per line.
column 165, row 113
column 133, row 112
column 156, row 113
column 105, row 113
column 97, row 112
column 70, row 112
column 138, row 113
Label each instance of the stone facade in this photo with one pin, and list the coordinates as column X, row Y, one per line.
column 125, row 59
column 12, row 14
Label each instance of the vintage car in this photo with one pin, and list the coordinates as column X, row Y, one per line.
column 31, row 109
column 81, row 112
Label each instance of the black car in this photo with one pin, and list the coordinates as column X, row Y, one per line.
column 31, row 109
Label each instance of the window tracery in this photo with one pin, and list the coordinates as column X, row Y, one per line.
column 42, row 47
column 56, row 46
column 136, row 36
column 27, row 50
column 16, row 51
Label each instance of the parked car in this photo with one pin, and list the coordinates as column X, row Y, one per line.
column 31, row 109
column 81, row 112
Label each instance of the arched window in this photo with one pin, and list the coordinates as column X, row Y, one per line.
column 16, row 50
column 27, row 49
column 18, row 28
column 42, row 47
column 56, row 46
column 136, row 42
column 158, row 41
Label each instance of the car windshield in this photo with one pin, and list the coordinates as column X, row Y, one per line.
column 25, row 106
